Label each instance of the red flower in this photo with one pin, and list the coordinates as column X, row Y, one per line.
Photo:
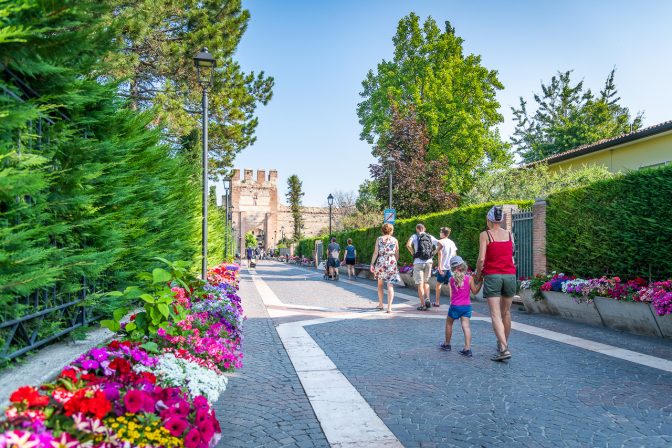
column 88, row 401
column 149, row 377
column 120, row 365
column 69, row 373
column 176, row 426
column 30, row 396
column 133, row 317
column 193, row 439
column 207, row 430
column 134, row 400
column 114, row 345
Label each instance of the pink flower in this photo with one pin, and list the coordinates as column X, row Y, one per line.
column 134, row 400
column 193, row 439
column 65, row 441
column 176, row 426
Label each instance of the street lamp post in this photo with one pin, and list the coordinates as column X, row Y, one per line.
column 390, row 167
column 205, row 68
column 282, row 234
column 227, row 183
column 330, row 200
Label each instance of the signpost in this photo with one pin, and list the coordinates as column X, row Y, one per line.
column 389, row 216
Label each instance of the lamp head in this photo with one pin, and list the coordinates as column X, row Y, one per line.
column 205, row 67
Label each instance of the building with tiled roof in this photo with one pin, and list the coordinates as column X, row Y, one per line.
column 644, row 148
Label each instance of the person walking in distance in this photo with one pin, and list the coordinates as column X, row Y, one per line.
column 349, row 258
column 447, row 252
column 422, row 246
column 496, row 265
column 384, row 264
column 333, row 251
column 248, row 253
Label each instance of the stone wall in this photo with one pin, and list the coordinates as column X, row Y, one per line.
column 314, row 220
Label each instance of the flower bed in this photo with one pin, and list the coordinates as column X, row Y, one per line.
column 155, row 386
column 634, row 305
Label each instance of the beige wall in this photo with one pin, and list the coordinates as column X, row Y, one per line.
column 629, row 156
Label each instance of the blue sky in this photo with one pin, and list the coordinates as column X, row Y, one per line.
column 319, row 52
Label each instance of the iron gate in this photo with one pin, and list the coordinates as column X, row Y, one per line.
column 522, row 234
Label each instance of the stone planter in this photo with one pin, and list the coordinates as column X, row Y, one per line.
column 567, row 307
column 634, row 317
column 664, row 322
column 535, row 306
column 407, row 278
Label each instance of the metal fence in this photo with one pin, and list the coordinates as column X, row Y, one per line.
column 27, row 323
column 522, row 234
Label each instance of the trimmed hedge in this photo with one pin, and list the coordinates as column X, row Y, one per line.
column 617, row 227
column 466, row 224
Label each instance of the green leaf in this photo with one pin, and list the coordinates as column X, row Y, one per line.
column 131, row 326
column 148, row 298
column 111, row 325
column 163, row 308
column 119, row 313
column 161, row 275
column 115, row 293
column 163, row 260
column 133, row 292
column 151, row 347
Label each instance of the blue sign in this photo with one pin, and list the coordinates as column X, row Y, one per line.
column 389, row 216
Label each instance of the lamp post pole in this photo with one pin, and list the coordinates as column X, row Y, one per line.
column 390, row 166
column 330, row 200
column 226, row 211
column 205, row 65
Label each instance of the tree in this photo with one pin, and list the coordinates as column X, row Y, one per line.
column 160, row 38
column 453, row 95
column 419, row 185
column 567, row 116
column 505, row 183
column 294, row 195
column 250, row 240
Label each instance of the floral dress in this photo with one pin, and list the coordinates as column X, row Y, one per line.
column 386, row 264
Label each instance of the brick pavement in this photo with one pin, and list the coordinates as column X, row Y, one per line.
column 264, row 404
column 549, row 394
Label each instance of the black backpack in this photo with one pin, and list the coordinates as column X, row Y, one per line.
column 425, row 247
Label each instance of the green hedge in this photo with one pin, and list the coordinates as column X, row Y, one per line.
column 466, row 223
column 618, row 227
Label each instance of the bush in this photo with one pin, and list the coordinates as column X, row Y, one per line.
column 466, row 224
column 613, row 227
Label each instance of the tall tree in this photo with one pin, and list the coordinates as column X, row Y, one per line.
column 419, row 185
column 294, row 195
column 453, row 94
column 568, row 116
column 160, row 38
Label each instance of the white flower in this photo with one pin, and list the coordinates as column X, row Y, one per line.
column 177, row 372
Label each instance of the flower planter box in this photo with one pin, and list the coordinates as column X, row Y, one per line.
column 634, row 317
column 535, row 306
column 407, row 278
column 567, row 307
column 664, row 322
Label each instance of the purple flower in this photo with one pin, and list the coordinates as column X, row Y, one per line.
column 90, row 364
column 99, row 354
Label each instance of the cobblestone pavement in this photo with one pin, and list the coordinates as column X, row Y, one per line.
column 264, row 404
column 549, row 394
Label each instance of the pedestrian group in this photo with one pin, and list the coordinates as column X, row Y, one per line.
column 495, row 274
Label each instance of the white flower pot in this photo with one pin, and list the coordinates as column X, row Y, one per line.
column 634, row 317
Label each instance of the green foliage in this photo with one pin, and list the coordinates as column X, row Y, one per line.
column 613, row 227
column 466, row 223
column 160, row 38
column 453, row 94
column 97, row 195
column 568, row 117
column 294, row 195
column 157, row 298
column 250, row 240
column 507, row 183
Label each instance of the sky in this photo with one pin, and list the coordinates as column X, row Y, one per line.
column 320, row 51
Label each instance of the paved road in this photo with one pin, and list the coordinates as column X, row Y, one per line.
column 549, row 394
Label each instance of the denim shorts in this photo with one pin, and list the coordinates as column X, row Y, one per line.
column 457, row 311
column 445, row 278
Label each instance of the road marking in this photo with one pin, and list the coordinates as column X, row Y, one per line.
column 346, row 418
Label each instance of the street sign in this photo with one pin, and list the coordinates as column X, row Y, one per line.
column 389, row 216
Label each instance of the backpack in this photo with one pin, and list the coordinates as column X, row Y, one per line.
column 425, row 247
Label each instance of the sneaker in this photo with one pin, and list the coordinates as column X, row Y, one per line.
column 502, row 355
column 445, row 347
column 466, row 353
column 428, row 304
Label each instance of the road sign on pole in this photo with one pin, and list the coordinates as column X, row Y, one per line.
column 389, row 216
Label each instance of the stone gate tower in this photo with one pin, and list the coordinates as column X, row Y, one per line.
column 255, row 206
